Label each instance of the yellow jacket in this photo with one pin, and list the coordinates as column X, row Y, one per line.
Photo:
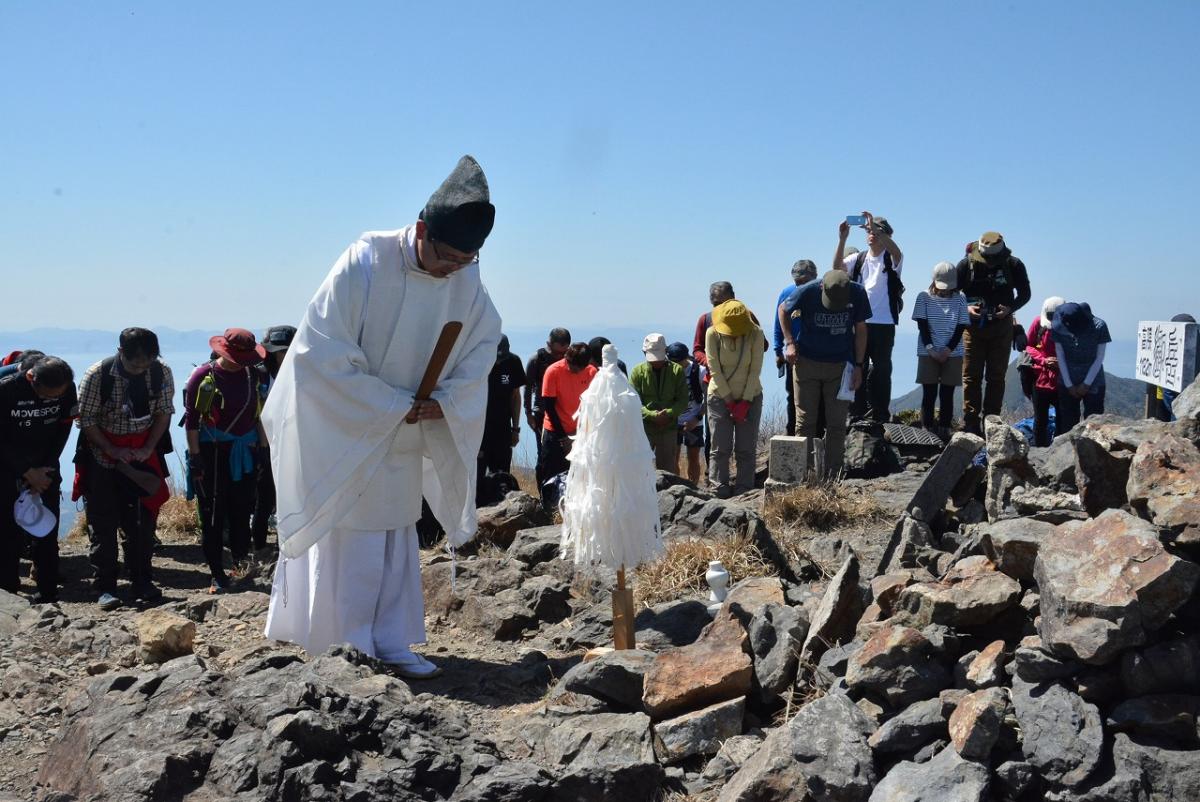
column 735, row 364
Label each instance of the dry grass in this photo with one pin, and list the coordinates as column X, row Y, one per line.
column 680, row 571
column 178, row 518
column 526, row 479
column 822, row 506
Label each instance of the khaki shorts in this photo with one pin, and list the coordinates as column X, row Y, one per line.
column 948, row 373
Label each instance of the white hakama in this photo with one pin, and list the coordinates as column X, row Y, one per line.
column 349, row 473
column 361, row 588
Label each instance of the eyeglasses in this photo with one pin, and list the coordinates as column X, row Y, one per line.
column 461, row 261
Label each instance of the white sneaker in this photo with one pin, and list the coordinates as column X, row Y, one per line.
column 413, row 666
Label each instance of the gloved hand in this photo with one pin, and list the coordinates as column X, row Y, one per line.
column 1020, row 340
column 739, row 410
column 195, row 476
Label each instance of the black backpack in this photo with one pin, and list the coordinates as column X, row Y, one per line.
column 868, row 454
column 1025, row 366
column 894, row 284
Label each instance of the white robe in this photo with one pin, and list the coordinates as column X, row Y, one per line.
column 343, row 459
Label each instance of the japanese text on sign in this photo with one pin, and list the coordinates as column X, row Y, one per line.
column 1166, row 353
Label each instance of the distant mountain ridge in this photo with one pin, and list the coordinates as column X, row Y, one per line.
column 1123, row 397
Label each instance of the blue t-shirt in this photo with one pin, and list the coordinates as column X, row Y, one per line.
column 825, row 335
column 1079, row 349
column 783, row 296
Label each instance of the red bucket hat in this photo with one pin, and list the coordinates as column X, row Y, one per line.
column 238, row 345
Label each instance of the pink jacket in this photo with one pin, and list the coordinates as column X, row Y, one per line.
column 1041, row 348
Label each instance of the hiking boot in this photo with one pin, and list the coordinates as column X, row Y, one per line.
column 245, row 568
column 148, row 593
column 107, row 602
column 219, row 585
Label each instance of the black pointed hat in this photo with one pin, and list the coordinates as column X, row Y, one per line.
column 460, row 212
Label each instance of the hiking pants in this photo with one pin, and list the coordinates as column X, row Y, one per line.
column 223, row 504
column 817, row 385
column 1068, row 408
column 264, row 500
column 988, row 349
column 13, row 540
column 789, row 386
column 932, row 395
column 111, row 504
column 664, row 442
column 1043, row 400
column 738, row 441
column 874, row 395
column 554, row 455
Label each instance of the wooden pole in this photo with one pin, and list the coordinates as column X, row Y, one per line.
column 623, row 632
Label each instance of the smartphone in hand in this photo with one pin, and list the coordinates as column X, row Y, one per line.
column 856, row 220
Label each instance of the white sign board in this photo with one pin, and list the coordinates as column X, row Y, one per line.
column 1166, row 353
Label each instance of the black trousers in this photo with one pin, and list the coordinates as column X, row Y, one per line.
column 1067, row 414
column 1043, row 400
column 264, row 500
column 874, row 396
column 112, row 505
column 224, row 504
column 538, row 472
column 791, row 399
column 942, row 396
column 14, row 540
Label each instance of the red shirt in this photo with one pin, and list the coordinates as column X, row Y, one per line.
column 565, row 388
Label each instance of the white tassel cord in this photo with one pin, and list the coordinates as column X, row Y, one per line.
column 610, row 508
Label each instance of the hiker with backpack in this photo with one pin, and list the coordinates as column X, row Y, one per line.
column 833, row 315
column 222, row 408
column 125, row 407
column 691, row 432
column 660, row 385
column 557, row 343
column 501, row 423
column 1039, row 371
column 36, row 410
column 735, row 396
column 941, row 315
column 1079, row 341
column 276, row 343
column 878, row 270
column 996, row 285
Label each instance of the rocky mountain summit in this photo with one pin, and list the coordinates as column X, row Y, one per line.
column 1023, row 627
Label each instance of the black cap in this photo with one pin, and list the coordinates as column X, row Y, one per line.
column 677, row 352
column 278, row 338
column 460, row 212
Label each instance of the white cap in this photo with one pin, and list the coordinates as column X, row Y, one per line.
column 655, row 348
column 32, row 516
column 945, row 276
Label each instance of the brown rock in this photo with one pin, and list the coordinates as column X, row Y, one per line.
column 163, row 636
column 975, row 723
column 987, row 669
column 500, row 523
column 1164, row 484
column 972, row 601
column 895, row 663
column 1104, row 584
column 885, row 589
column 748, row 597
column 716, row 668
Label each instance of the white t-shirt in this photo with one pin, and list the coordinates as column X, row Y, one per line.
column 875, row 282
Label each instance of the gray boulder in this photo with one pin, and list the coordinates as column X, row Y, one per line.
column 946, row 778
column 821, row 754
column 1172, row 666
column 615, row 678
column 914, row 727
column 1061, row 735
column 1105, row 584
column 776, row 633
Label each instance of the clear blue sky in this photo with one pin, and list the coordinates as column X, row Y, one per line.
column 200, row 165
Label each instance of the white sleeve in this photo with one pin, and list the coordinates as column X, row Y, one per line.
column 848, row 261
column 1094, row 370
column 1062, row 366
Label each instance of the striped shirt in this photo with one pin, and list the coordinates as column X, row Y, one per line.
column 944, row 316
